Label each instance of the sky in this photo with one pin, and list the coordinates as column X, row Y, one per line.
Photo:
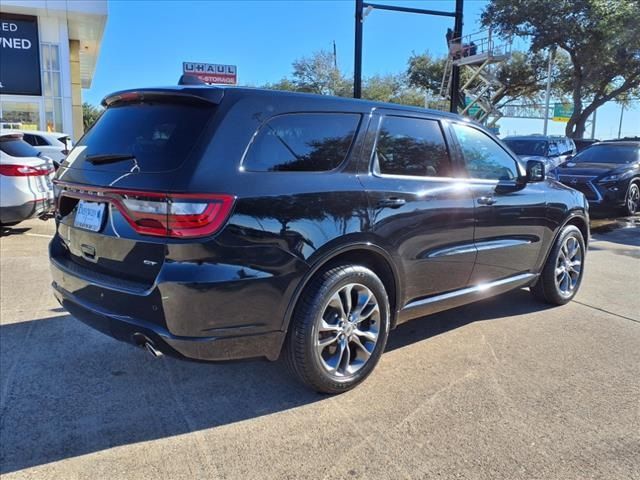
column 146, row 41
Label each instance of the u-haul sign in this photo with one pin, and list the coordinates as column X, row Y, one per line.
column 211, row 72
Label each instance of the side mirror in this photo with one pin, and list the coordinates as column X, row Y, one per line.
column 535, row 171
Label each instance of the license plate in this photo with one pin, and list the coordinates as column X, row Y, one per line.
column 89, row 215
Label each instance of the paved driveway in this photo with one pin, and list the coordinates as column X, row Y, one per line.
column 506, row 388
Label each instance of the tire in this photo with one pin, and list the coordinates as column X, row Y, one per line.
column 352, row 342
column 562, row 274
column 632, row 199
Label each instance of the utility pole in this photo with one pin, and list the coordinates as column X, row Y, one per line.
column 593, row 124
column 357, row 67
column 455, row 69
column 620, row 124
column 547, row 95
column 335, row 56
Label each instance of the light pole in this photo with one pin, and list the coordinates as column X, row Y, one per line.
column 620, row 124
column 547, row 95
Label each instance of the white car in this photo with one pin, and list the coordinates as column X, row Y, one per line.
column 26, row 190
column 54, row 145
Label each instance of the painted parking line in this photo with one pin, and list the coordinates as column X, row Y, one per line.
column 38, row 235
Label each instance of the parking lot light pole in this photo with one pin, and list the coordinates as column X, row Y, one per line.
column 547, row 94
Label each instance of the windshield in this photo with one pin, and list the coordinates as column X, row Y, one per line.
column 608, row 154
column 16, row 147
column 528, row 147
column 158, row 136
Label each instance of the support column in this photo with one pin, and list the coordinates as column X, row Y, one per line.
column 76, row 90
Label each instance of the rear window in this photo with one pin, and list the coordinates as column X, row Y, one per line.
column 528, row 147
column 158, row 135
column 302, row 142
column 17, row 148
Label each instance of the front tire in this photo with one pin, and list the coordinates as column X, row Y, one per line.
column 632, row 200
column 339, row 329
column 562, row 275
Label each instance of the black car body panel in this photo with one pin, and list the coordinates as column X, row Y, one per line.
column 231, row 294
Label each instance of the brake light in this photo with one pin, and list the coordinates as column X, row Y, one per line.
column 23, row 171
column 177, row 216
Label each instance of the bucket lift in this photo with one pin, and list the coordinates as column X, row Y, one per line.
column 480, row 54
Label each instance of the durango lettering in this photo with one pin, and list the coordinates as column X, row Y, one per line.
column 17, row 43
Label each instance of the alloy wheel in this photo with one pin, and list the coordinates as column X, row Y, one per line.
column 633, row 198
column 568, row 266
column 347, row 331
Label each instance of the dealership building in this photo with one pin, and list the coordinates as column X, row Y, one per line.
column 48, row 54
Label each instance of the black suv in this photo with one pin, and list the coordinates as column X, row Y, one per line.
column 608, row 173
column 224, row 223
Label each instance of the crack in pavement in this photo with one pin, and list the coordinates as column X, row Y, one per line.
column 607, row 311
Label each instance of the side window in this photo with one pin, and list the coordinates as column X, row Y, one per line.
column 302, row 142
column 554, row 150
column 30, row 139
column 484, row 158
column 412, row 146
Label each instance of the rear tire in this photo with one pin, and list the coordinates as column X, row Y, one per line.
column 339, row 329
column 562, row 274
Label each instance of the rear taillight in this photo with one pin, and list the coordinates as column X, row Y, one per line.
column 23, row 171
column 178, row 216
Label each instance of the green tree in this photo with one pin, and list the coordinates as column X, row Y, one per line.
column 90, row 114
column 318, row 74
column 524, row 76
column 599, row 37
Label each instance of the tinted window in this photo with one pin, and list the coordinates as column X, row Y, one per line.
column 302, row 142
column 412, row 146
column 35, row 140
column 158, row 135
column 608, row 154
column 18, row 148
column 483, row 157
column 528, row 147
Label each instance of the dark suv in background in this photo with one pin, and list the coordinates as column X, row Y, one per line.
column 552, row 150
column 223, row 223
column 608, row 173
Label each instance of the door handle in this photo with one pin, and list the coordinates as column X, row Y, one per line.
column 487, row 200
column 392, row 202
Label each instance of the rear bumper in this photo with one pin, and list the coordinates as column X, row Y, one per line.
column 136, row 332
column 37, row 208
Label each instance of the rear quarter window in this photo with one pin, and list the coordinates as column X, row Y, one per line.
column 302, row 142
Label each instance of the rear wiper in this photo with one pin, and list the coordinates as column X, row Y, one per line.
column 109, row 158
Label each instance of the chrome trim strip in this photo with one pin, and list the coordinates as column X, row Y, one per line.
column 493, row 244
column 477, row 247
column 483, row 287
column 459, row 250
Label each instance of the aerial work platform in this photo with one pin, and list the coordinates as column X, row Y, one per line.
column 480, row 54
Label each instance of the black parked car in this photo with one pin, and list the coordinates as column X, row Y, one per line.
column 608, row 173
column 223, row 223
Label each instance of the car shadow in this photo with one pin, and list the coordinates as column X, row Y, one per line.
column 67, row 390
column 7, row 231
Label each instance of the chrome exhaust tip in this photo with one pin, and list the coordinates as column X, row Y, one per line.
column 155, row 353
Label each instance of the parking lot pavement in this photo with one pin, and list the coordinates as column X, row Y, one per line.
column 506, row 388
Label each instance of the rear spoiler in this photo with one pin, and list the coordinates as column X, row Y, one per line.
column 195, row 96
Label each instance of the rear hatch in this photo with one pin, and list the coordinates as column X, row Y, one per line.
column 120, row 192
